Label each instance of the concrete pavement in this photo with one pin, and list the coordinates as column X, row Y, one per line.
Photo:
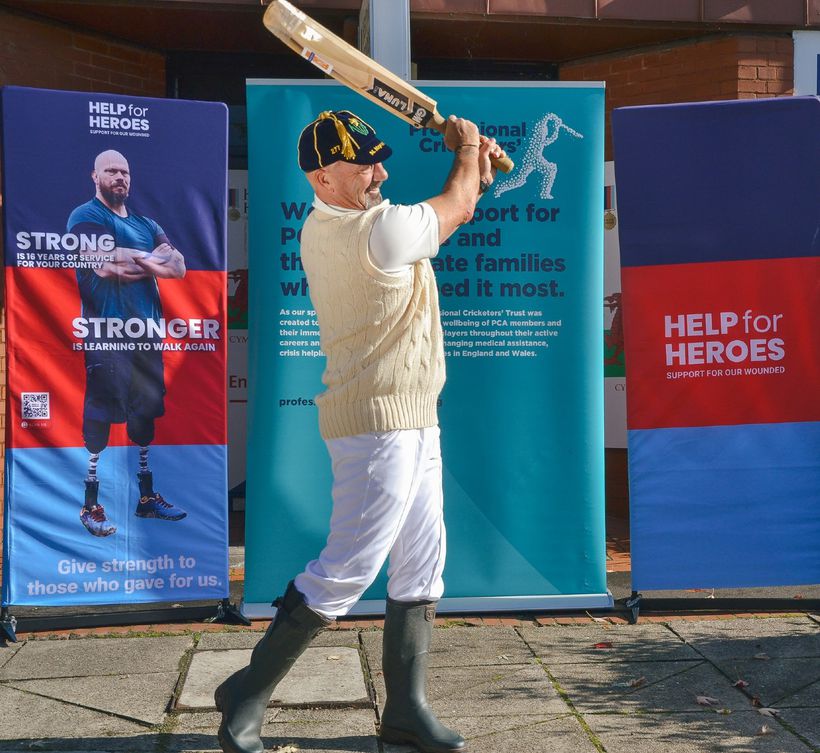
column 528, row 684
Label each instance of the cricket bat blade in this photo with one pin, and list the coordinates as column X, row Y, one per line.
column 351, row 67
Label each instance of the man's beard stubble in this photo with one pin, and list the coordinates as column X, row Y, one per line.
column 372, row 199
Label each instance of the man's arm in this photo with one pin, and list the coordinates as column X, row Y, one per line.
column 402, row 235
column 405, row 234
column 114, row 262
column 455, row 205
column 123, row 265
column 164, row 261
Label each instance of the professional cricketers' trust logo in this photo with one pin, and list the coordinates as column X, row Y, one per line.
column 546, row 132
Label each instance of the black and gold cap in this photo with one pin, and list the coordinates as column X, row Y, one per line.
column 340, row 135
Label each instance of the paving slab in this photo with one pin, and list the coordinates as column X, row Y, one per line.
column 143, row 698
column 211, row 641
column 692, row 733
column 462, row 647
column 741, row 638
column 808, row 696
column 7, row 650
column 559, row 644
column 521, row 734
column 315, row 730
column 207, row 722
column 96, row 656
column 806, row 722
column 668, row 686
column 487, row 691
column 776, row 681
column 503, row 733
column 27, row 717
column 321, row 676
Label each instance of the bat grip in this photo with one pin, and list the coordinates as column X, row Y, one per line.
column 506, row 165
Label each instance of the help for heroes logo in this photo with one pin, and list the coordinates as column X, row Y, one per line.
column 747, row 338
column 118, row 119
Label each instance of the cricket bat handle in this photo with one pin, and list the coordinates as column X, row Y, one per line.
column 440, row 124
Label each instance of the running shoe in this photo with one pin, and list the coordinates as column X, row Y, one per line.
column 95, row 522
column 154, row 506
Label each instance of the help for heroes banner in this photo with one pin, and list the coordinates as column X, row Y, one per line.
column 114, row 243
column 720, row 252
column 520, row 293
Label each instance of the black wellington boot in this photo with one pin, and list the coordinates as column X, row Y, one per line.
column 407, row 718
column 244, row 696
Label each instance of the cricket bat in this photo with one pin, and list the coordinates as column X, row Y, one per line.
column 354, row 69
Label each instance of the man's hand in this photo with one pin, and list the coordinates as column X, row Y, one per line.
column 486, row 172
column 460, row 132
column 464, row 133
column 164, row 261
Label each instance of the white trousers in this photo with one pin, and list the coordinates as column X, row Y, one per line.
column 387, row 501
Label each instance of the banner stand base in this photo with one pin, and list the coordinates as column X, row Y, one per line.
column 636, row 602
column 229, row 614
column 223, row 612
column 8, row 624
column 469, row 605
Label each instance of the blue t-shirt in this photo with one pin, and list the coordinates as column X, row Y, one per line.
column 112, row 296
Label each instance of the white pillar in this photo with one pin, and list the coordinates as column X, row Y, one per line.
column 806, row 62
column 384, row 34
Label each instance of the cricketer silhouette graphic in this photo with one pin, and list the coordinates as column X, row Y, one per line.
column 546, row 131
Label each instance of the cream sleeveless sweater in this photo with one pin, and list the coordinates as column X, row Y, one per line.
column 381, row 333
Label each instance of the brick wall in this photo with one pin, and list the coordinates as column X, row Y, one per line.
column 51, row 56
column 731, row 67
column 616, row 490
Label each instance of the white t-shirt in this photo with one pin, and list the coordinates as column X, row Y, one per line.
column 402, row 234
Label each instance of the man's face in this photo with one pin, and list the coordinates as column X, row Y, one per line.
column 356, row 186
column 113, row 180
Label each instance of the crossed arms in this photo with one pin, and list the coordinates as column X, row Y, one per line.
column 131, row 264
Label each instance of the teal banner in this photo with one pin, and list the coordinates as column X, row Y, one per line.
column 520, row 289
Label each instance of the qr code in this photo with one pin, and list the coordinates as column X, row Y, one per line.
column 36, row 405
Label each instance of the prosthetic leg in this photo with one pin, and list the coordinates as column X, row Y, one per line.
column 92, row 514
column 244, row 696
column 407, row 717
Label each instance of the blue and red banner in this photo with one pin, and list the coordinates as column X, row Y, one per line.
column 114, row 239
column 720, row 254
